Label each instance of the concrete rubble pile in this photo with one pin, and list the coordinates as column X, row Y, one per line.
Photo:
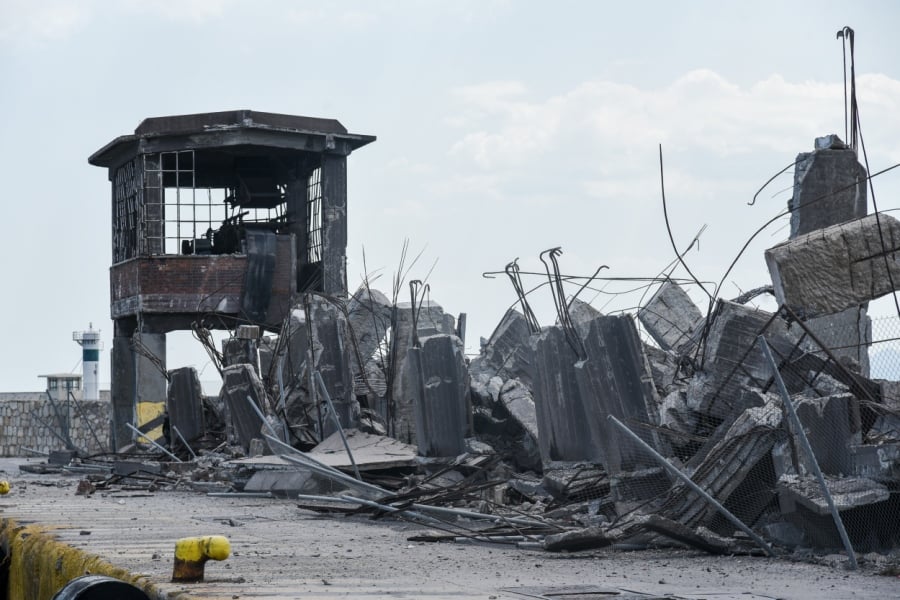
column 577, row 435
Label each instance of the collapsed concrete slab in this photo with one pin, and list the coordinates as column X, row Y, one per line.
column 727, row 465
column 829, row 187
column 839, row 267
column 370, row 452
column 440, row 385
column 670, row 317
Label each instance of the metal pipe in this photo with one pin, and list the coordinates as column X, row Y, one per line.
column 394, row 510
column 804, row 441
column 184, row 441
column 87, row 422
column 337, row 422
column 157, row 446
column 476, row 515
column 687, row 481
column 281, row 400
column 324, row 469
column 336, row 475
column 67, row 443
column 314, row 498
column 261, row 416
column 63, row 426
column 38, row 452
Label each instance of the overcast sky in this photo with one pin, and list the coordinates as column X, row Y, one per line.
column 504, row 128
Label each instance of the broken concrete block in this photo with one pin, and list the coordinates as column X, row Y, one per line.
column 430, row 319
column 243, row 347
column 615, row 380
column 847, row 334
column 330, row 348
column 733, row 363
column 889, row 392
column 508, row 351
column 581, row 314
column 829, row 188
column 567, row 432
column 369, row 316
column 846, row 492
column 675, row 415
column 440, row 395
column 886, row 428
column 700, row 538
column 664, row 369
column 484, row 390
column 836, row 268
column 184, row 404
column 238, row 383
column 266, row 351
column 878, row 462
column 577, row 540
column 670, row 317
column 518, row 401
column 832, row 425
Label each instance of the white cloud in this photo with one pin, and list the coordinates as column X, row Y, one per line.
column 602, row 125
column 25, row 21
column 196, row 11
column 332, row 16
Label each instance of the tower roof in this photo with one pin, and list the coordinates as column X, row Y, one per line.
column 230, row 129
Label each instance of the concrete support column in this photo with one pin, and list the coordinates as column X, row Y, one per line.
column 138, row 383
column 334, row 224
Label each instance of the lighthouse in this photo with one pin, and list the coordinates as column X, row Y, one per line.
column 90, row 360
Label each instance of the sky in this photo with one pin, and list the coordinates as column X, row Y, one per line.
column 504, row 129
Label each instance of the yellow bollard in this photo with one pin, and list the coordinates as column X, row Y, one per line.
column 192, row 553
column 4, row 487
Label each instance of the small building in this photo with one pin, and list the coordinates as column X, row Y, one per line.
column 218, row 218
column 60, row 385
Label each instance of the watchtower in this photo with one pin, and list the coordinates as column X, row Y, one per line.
column 224, row 215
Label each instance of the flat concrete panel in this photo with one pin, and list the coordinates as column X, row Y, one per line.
column 839, row 267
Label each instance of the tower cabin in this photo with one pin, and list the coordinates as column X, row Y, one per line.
column 219, row 218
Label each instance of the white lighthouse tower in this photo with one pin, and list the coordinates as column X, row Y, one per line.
column 90, row 360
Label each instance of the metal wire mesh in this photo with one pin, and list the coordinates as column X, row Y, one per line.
column 725, row 424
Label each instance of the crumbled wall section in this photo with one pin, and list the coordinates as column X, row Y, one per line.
column 21, row 425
